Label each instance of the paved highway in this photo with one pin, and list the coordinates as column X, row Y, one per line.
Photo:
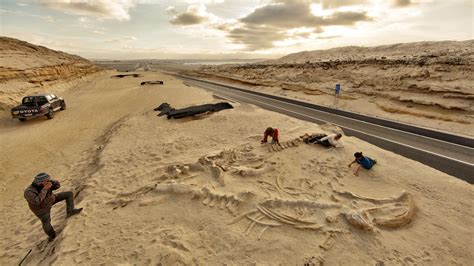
column 451, row 158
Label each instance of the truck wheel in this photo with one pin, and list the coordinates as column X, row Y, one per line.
column 22, row 119
column 63, row 105
column 50, row 114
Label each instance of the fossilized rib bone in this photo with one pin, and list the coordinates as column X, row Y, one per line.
column 398, row 197
column 297, row 191
column 250, row 171
column 299, row 203
column 288, row 219
column 276, row 218
column 390, row 214
column 359, row 219
column 400, row 219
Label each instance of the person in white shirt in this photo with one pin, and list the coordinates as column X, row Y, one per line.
column 331, row 140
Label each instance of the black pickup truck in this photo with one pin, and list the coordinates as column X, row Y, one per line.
column 44, row 104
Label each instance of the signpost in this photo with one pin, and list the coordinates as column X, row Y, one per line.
column 337, row 92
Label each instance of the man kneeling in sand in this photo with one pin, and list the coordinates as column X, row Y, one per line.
column 270, row 132
column 363, row 161
column 40, row 198
column 331, row 140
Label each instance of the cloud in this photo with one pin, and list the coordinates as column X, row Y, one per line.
column 204, row 1
column 89, row 24
column 401, row 3
column 256, row 37
column 194, row 14
column 329, row 37
column 328, row 4
column 277, row 21
column 121, row 40
column 24, row 14
column 298, row 14
column 105, row 9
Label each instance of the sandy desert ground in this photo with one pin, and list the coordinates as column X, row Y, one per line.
column 172, row 191
column 427, row 84
column 204, row 191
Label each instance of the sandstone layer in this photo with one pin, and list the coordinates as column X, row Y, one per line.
column 26, row 68
column 426, row 83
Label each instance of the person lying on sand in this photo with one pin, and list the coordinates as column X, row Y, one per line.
column 363, row 161
column 40, row 198
column 271, row 132
column 331, row 140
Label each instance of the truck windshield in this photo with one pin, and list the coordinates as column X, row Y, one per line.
column 29, row 101
column 42, row 100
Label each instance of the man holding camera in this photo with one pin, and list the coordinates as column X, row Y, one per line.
column 40, row 198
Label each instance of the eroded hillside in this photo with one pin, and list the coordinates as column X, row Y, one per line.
column 26, row 68
column 427, row 83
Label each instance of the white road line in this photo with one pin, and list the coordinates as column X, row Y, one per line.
column 365, row 133
column 361, row 121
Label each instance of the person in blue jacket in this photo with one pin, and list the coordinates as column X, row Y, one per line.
column 363, row 161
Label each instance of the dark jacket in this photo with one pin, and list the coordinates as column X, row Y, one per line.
column 274, row 135
column 40, row 200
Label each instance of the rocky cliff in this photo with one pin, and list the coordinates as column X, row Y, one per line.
column 26, row 68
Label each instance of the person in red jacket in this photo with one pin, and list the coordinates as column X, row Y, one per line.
column 271, row 132
column 40, row 198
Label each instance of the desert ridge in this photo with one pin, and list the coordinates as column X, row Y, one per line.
column 27, row 69
column 427, row 84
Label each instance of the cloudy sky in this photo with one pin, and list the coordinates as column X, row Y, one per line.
column 131, row 29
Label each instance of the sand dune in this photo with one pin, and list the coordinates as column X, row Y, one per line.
column 427, row 83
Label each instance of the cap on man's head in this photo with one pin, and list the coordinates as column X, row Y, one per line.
column 39, row 178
